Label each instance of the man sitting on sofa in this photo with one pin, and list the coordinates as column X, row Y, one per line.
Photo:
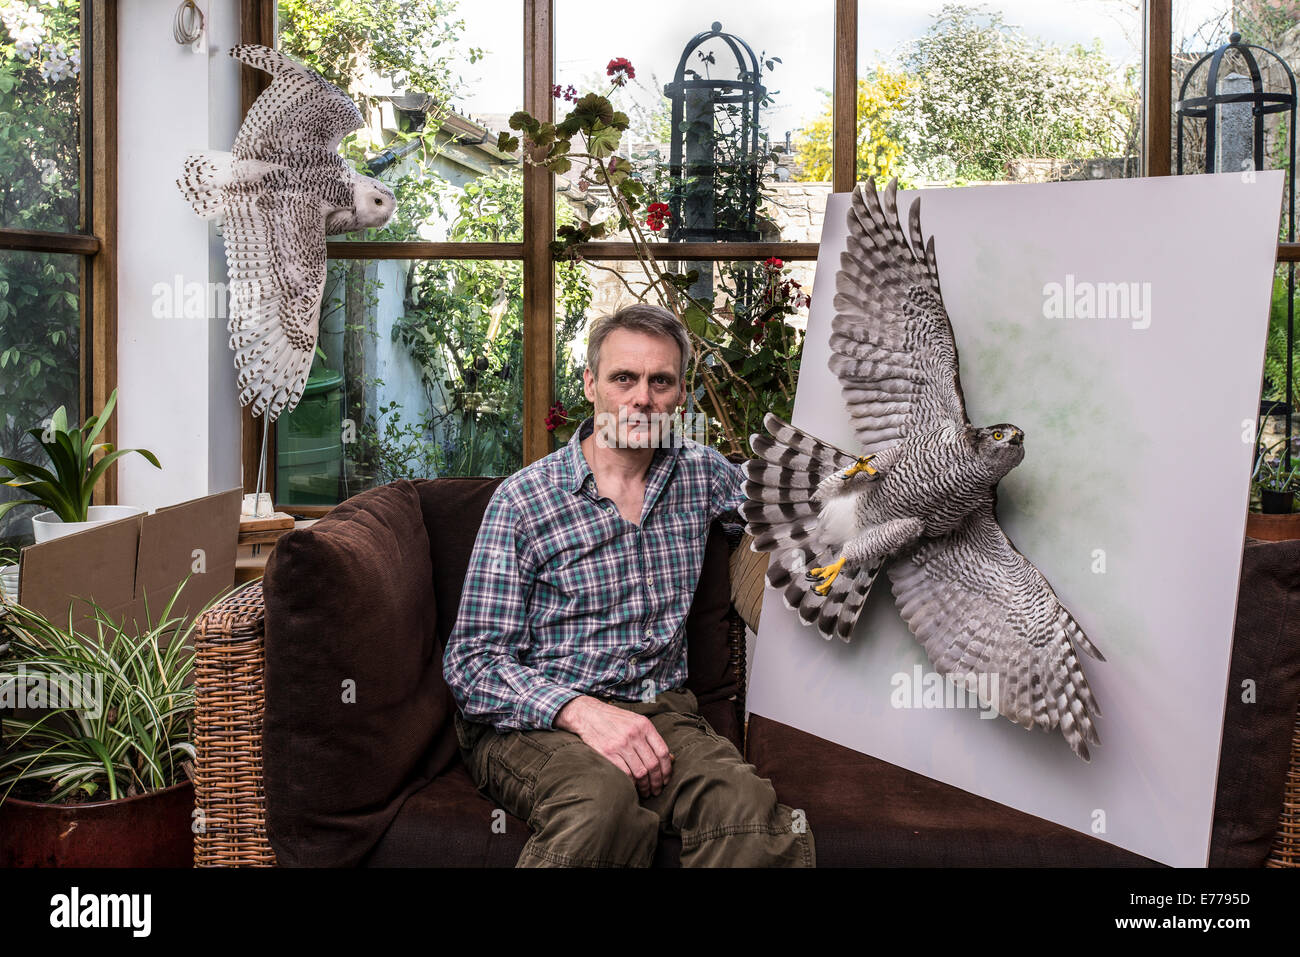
column 568, row 658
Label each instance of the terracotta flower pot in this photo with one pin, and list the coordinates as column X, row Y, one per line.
column 150, row 830
column 1273, row 528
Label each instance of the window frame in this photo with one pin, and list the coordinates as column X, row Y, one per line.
column 96, row 240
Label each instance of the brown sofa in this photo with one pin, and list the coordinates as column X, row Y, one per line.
column 325, row 737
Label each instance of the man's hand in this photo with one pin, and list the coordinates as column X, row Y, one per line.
column 628, row 740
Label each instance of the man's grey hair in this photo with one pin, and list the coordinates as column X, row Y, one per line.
column 639, row 317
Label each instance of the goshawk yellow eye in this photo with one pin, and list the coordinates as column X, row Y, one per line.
column 997, row 436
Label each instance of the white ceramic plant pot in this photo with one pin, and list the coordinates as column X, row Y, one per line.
column 9, row 581
column 47, row 525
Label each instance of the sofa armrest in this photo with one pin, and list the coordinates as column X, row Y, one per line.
column 230, row 704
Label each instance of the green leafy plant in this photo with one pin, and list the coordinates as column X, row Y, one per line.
column 1272, row 473
column 66, row 491
column 133, row 739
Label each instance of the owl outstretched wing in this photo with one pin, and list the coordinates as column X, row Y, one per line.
column 299, row 111
column 981, row 608
column 275, row 248
column 891, row 342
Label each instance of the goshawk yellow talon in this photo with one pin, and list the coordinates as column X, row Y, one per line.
column 826, row 573
column 863, row 465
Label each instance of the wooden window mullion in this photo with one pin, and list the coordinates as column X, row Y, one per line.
column 844, row 112
column 99, row 272
column 1157, row 80
column 539, row 229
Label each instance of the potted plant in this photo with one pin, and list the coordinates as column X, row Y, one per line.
column 1274, row 482
column 94, row 770
column 66, row 491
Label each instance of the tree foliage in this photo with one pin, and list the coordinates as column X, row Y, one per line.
column 985, row 93
column 974, row 93
column 878, row 151
column 40, row 112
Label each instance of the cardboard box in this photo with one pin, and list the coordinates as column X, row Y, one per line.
column 135, row 563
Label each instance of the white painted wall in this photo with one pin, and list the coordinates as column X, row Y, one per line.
column 176, row 379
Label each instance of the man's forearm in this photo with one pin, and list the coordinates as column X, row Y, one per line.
column 504, row 693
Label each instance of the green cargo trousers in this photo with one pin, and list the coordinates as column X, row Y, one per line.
column 586, row 812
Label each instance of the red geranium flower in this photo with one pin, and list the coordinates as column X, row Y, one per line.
column 656, row 213
column 555, row 417
column 773, row 263
column 621, row 70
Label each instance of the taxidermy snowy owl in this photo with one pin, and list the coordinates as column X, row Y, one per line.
column 277, row 194
column 920, row 500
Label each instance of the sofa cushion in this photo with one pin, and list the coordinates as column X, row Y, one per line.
column 448, row 823
column 1257, row 733
column 349, row 609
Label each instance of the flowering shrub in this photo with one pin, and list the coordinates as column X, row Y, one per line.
column 985, row 93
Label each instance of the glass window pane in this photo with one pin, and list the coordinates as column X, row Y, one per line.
column 40, row 361
column 1199, row 28
column 437, row 81
column 757, row 317
column 1274, row 427
column 1008, row 91
column 40, row 114
column 732, row 176
column 420, row 375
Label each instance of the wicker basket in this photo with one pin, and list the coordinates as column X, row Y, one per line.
column 1286, row 843
column 230, row 690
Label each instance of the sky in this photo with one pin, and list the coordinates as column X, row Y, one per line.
column 589, row 33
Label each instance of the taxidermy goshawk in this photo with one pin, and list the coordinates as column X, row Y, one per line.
column 921, row 499
column 279, row 191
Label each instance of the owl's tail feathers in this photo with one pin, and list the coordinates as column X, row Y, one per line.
column 204, row 180
column 836, row 612
column 272, row 371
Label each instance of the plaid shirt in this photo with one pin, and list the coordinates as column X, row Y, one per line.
column 564, row 596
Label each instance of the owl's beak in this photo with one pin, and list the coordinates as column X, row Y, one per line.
column 1018, row 438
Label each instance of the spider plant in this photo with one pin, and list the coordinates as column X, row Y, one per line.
column 66, row 490
column 1270, row 474
column 133, row 739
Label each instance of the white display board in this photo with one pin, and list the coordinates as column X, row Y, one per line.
column 1131, row 499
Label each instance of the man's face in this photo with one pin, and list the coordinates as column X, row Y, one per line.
column 638, row 390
